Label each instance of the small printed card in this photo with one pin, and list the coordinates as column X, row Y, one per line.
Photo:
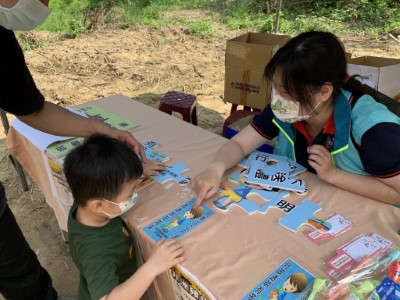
column 179, row 221
column 338, row 225
column 288, row 281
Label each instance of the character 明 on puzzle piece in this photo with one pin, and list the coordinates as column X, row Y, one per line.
column 303, row 214
column 152, row 154
column 173, row 173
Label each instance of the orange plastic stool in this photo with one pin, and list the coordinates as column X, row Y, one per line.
column 185, row 104
column 235, row 116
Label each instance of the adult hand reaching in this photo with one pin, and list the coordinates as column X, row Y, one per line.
column 206, row 183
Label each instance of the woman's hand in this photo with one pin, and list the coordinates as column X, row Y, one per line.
column 207, row 183
column 321, row 160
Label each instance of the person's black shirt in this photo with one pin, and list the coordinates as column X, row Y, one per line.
column 18, row 92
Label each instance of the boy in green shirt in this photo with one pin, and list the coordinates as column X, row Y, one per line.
column 103, row 174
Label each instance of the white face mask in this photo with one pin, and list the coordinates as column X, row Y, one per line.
column 123, row 206
column 25, row 15
column 286, row 110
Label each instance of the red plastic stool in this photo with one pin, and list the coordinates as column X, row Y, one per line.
column 185, row 104
column 235, row 116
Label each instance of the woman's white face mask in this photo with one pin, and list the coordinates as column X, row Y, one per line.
column 25, row 15
column 286, row 110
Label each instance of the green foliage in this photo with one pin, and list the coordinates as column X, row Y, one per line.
column 75, row 16
column 203, row 28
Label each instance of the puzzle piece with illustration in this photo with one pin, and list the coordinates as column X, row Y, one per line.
column 303, row 214
column 152, row 154
column 238, row 197
column 235, row 197
column 173, row 173
column 294, row 167
column 277, row 177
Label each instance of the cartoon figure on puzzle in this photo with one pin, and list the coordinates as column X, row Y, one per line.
column 231, row 196
column 272, row 196
column 295, row 283
column 190, row 214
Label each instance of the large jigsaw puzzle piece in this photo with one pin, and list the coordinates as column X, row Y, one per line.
column 173, row 173
column 273, row 200
column 235, row 197
column 152, row 154
column 294, row 167
column 301, row 215
column 280, row 179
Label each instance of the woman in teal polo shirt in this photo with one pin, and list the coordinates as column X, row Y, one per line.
column 354, row 146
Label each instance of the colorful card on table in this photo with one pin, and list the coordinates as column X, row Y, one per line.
column 288, row 281
column 338, row 225
column 179, row 221
column 105, row 116
column 387, row 290
column 61, row 148
column 372, row 245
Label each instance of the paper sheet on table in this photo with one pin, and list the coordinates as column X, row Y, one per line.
column 38, row 138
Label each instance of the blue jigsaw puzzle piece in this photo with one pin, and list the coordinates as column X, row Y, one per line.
column 272, row 198
column 255, row 155
column 294, row 167
column 173, row 173
column 235, row 197
column 279, row 180
column 235, row 177
column 152, row 154
column 299, row 215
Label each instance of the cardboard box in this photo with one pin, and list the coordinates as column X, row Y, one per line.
column 245, row 59
column 237, row 126
column 379, row 73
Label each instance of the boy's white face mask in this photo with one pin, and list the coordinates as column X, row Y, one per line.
column 25, row 15
column 286, row 110
column 123, row 206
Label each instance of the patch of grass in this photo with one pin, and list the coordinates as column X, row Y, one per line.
column 203, row 28
column 75, row 16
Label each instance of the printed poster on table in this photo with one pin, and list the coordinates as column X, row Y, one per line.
column 289, row 281
column 187, row 286
column 179, row 221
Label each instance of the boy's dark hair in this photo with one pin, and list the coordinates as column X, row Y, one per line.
column 306, row 62
column 99, row 168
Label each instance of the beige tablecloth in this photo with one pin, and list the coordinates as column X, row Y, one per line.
column 231, row 252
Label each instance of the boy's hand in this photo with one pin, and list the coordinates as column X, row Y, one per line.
column 165, row 255
column 152, row 167
column 321, row 160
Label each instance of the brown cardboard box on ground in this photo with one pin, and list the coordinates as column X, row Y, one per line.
column 245, row 59
column 380, row 73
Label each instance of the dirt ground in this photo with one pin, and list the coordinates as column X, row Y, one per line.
column 141, row 63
